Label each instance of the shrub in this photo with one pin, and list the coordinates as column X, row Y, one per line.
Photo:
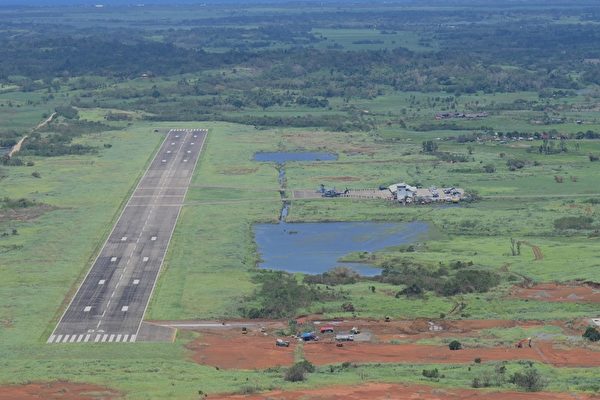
column 335, row 276
column 431, row 373
column 529, row 380
column 477, row 360
column 36, row 174
column 413, row 290
column 455, row 345
column 429, row 146
column 489, row 168
column 298, row 371
column 294, row 374
column 592, row 334
column 513, row 164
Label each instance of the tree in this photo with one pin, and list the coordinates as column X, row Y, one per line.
column 67, row 112
column 280, row 295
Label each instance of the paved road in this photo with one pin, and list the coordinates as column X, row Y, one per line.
column 110, row 303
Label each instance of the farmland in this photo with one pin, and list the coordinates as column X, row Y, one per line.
column 519, row 261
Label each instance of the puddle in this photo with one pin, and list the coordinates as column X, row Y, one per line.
column 314, row 248
column 281, row 157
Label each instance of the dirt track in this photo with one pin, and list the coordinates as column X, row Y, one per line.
column 57, row 390
column 386, row 391
column 559, row 293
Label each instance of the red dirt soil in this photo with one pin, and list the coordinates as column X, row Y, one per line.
column 228, row 348
column 420, row 328
column 559, row 293
column 57, row 390
column 231, row 349
column 254, row 351
column 327, row 353
column 385, row 391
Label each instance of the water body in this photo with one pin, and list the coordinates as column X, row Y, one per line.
column 281, row 157
column 314, row 248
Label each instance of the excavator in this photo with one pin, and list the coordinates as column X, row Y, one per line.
column 521, row 343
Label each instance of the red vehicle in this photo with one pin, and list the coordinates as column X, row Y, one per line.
column 327, row 329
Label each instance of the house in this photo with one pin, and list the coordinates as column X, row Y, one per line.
column 402, row 191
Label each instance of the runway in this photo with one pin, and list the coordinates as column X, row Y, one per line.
column 109, row 305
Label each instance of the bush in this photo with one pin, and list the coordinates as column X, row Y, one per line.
column 36, row 174
column 294, row 374
column 335, row 276
column 455, row 345
column 431, row 373
column 298, row 371
column 514, row 164
column 529, row 380
column 489, row 168
column 413, row 290
column 592, row 334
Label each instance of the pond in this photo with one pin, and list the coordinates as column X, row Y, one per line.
column 314, row 248
column 281, row 157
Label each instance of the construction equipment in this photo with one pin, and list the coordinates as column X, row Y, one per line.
column 282, row 343
column 354, row 330
column 522, row 342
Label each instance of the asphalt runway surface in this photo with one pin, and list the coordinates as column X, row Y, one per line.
column 110, row 303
